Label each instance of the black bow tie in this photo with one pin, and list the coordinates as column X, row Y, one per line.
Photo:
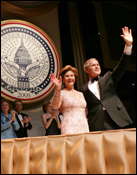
column 94, row 79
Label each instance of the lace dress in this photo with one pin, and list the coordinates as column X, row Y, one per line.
column 72, row 104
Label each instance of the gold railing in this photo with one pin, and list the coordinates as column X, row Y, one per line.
column 107, row 152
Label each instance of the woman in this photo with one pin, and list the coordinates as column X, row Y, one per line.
column 50, row 120
column 8, row 121
column 71, row 102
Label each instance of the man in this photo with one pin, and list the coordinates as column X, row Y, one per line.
column 105, row 109
column 23, row 120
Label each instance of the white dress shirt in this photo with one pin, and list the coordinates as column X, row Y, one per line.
column 94, row 87
column 21, row 118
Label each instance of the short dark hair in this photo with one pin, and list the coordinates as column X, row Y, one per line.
column 45, row 105
column 17, row 101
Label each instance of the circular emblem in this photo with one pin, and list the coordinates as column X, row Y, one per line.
column 28, row 57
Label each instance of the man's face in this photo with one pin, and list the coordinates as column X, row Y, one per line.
column 18, row 106
column 94, row 69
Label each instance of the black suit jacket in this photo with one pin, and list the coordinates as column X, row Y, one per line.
column 22, row 132
column 109, row 99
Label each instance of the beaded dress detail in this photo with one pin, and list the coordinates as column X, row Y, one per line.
column 73, row 105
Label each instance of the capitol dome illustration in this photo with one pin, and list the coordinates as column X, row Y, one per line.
column 22, row 57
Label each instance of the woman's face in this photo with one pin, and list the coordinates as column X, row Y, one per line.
column 49, row 108
column 69, row 79
column 5, row 107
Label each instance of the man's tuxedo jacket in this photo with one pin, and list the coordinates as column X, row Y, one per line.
column 109, row 99
column 22, row 132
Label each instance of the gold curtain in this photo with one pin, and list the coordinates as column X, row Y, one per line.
column 27, row 8
column 107, row 152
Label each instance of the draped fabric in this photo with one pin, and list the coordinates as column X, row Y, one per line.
column 77, row 44
column 102, row 152
column 27, row 8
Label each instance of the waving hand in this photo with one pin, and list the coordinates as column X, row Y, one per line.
column 55, row 81
column 127, row 36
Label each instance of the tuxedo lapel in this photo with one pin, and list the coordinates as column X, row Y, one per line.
column 88, row 92
column 101, row 83
column 18, row 120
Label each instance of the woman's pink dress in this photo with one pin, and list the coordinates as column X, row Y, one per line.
column 73, row 106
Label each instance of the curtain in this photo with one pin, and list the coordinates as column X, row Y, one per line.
column 77, row 42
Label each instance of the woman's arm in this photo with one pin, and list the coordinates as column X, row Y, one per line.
column 15, row 123
column 44, row 119
column 56, row 98
column 6, row 125
column 57, row 119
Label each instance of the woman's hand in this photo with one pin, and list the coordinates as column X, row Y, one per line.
column 55, row 81
column 13, row 118
column 55, row 114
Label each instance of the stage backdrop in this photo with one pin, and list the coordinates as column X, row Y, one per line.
column 28, row 57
